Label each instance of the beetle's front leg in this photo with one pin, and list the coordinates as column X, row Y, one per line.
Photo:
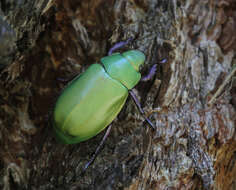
column 152, row 71
column 119, row 45
column 137, row 103
column 98, row 149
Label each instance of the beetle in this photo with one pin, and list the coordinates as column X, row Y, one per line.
column 91, row 101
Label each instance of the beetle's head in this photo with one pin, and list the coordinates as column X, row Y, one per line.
column 135, row 57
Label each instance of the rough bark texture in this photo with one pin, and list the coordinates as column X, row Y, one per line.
column 191, row 100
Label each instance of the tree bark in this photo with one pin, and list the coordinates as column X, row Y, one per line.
column 191, row 100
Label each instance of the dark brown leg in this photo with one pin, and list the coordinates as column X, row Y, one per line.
column 131, row 92
column 98, row 148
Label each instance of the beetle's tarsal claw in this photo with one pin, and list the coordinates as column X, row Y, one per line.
column 86, row 167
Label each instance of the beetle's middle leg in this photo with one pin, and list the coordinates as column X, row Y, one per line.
column 98, row 149
column 137, row 103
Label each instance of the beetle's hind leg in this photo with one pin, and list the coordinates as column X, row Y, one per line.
column 98, row 149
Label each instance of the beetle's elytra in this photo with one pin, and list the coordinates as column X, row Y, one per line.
column 91, row 101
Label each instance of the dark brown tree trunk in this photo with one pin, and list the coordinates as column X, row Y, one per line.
column 191, row 100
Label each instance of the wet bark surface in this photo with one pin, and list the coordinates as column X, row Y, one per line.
column 191, row 100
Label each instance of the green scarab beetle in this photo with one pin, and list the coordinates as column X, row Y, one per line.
column 91, row 101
